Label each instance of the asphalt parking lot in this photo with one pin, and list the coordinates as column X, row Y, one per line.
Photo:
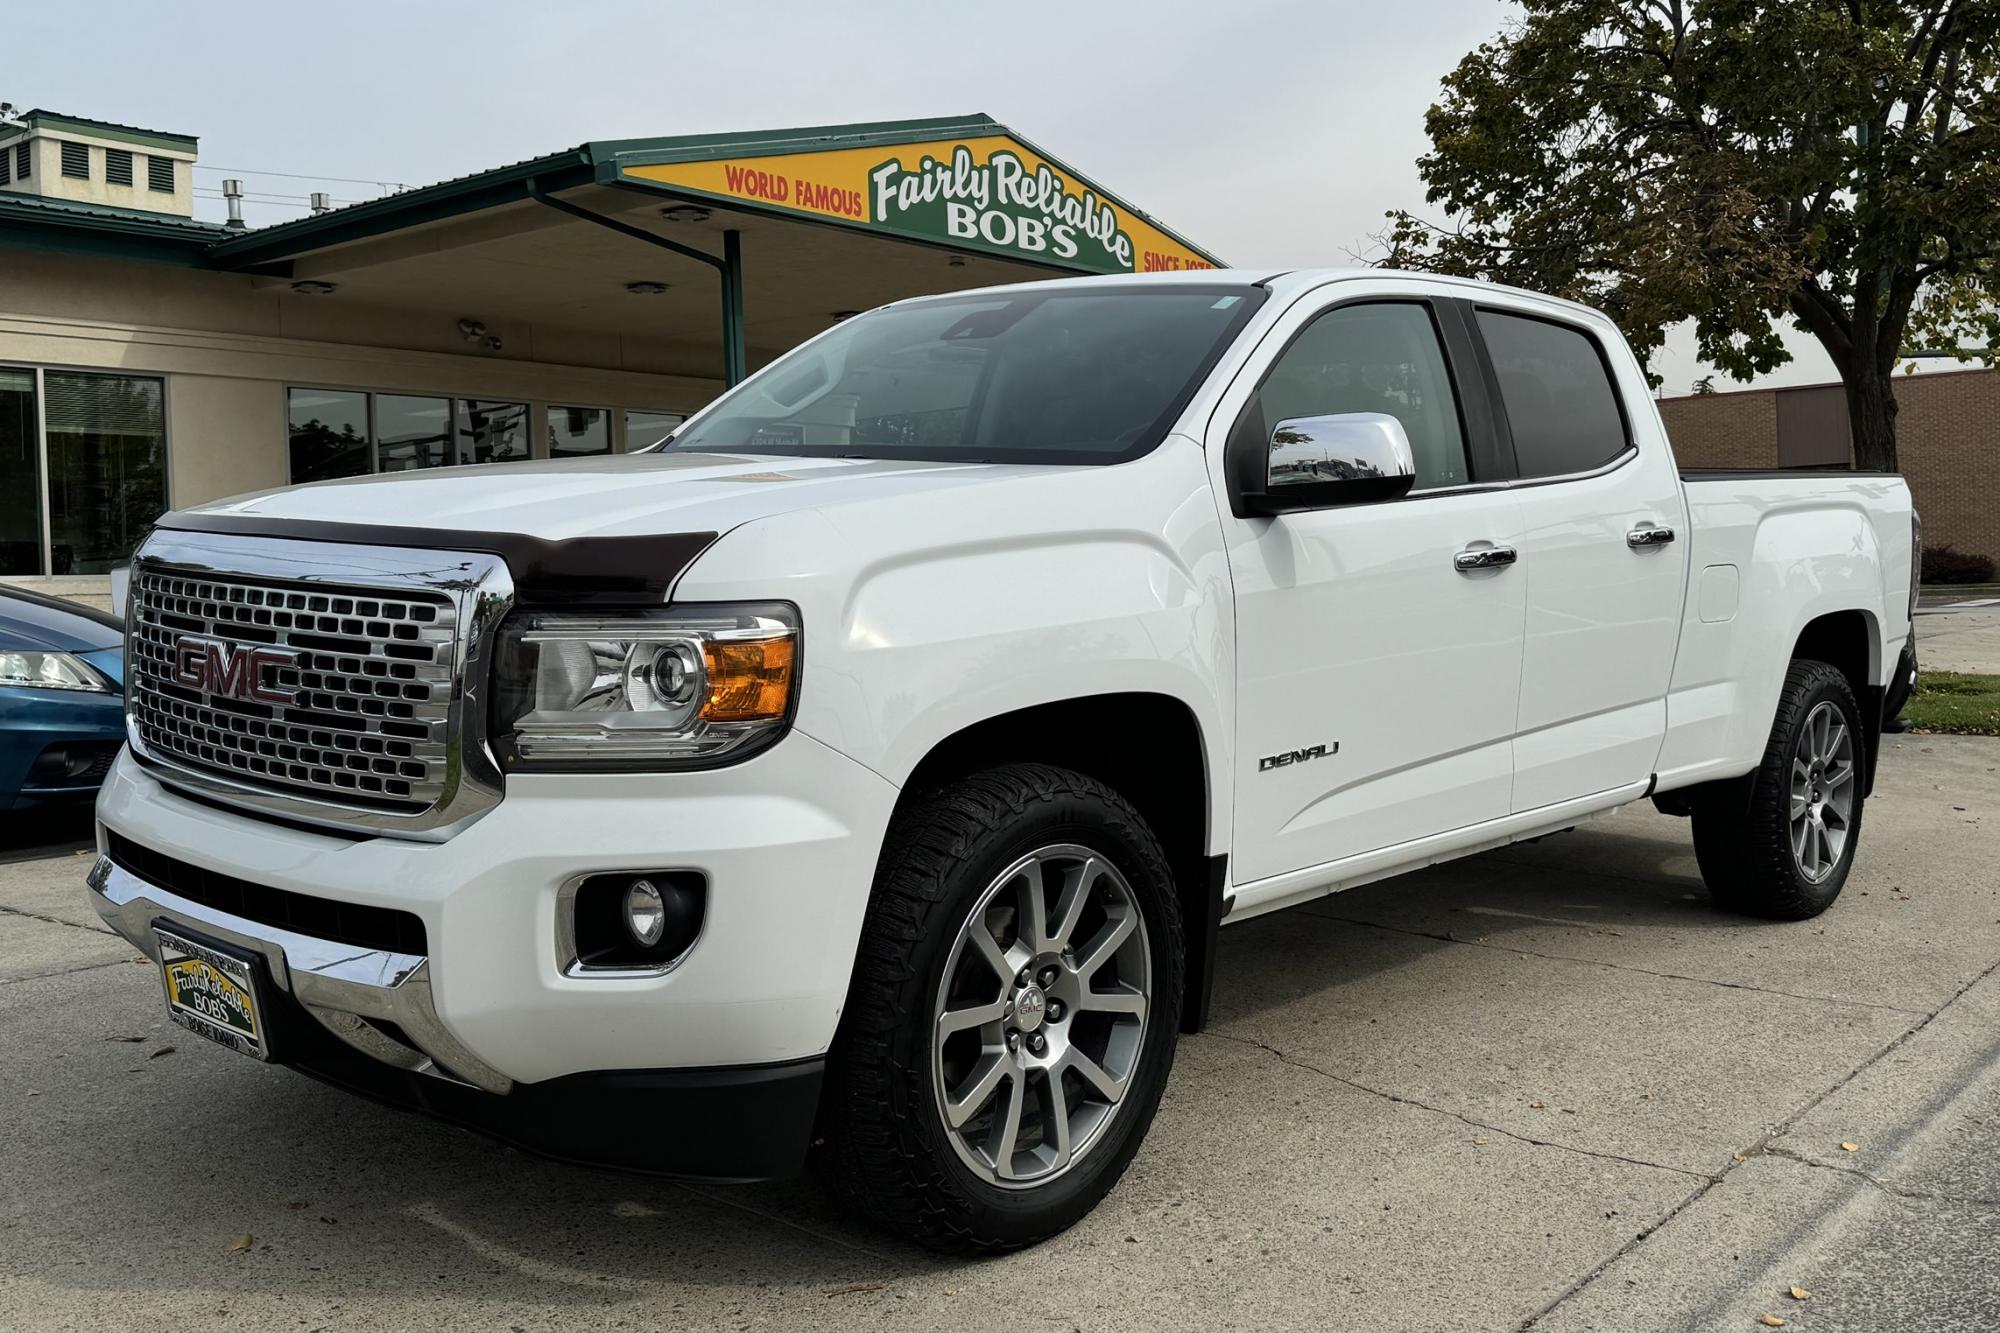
column 1547, row 1087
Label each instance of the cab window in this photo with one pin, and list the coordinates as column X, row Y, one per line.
column 1376, row 357
column 1561, row 407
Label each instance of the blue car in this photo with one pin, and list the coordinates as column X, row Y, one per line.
column 62, row 698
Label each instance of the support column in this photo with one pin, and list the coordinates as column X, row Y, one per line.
column 735, row 361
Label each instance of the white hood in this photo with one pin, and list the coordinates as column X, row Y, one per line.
column 617, row 496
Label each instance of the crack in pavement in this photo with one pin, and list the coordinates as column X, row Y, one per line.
column 70, row 971
column 1460, row 1116
column 52, row 920
column 1448, row 938
column 1761, row 1146
column 1896, row 1191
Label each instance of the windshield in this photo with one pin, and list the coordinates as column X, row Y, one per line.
column 1095, row 375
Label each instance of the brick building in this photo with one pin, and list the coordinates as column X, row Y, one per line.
column 1948, row 439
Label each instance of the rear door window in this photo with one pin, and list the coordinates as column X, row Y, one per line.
column 1557, row 391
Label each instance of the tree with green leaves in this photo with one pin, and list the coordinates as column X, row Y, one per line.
column 1735, row 162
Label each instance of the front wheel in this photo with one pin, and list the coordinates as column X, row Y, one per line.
column 1013, row 1014
column 1786, row 853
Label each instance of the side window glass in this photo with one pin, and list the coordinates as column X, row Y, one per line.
column 1560, row 403
column 1382, row 357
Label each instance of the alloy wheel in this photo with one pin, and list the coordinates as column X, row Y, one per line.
column 1040, row 1017
column 1823, row 791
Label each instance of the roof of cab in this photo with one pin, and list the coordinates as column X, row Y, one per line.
column 1282, row 282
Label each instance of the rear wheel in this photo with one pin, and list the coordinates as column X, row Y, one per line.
column 1013, row 1015
column 1786, row 853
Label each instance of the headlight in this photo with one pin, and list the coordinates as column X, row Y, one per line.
column 47, row 671
column 682, row 687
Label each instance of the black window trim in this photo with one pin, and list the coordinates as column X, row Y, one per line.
column 1485, row 460
column 1504, row 429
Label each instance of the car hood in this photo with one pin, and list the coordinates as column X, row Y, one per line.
column 629, row 495
column 45, row 624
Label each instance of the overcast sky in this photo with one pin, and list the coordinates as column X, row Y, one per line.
column 1268, row 131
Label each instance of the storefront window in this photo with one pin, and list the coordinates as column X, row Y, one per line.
column 343, row 433
column 574, row 431
column 20, row 475
column 411, row 432
column 107, row 452
column 329, row 429
column 490, row 432
column 645, row 429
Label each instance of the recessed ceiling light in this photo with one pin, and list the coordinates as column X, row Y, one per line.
column 956, row 261
column 646, row 288
column 311, row 287
column 685, row 213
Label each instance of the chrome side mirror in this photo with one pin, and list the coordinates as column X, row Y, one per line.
column 1349, row 458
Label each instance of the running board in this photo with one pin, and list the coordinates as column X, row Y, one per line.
column 1298, row 886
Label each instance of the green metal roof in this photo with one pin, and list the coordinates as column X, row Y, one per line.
column 270, row 248
column 39, row 119
column 600, row 161
column 31, row 222
column 111, row 213
column 596, row 161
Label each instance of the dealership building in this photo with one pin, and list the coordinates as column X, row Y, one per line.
column 577, row 303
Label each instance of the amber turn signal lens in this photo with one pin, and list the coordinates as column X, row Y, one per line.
column 748, row 682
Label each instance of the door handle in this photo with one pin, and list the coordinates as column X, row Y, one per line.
column 1640, row 538
column 1483, row 557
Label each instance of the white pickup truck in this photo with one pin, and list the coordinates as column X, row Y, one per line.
column 873, row 764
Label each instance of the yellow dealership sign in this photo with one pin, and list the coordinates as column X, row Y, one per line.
column 989, row 192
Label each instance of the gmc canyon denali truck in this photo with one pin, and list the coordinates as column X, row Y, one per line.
column 872, row 764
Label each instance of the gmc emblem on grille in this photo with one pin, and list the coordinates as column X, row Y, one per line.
column 234, row 671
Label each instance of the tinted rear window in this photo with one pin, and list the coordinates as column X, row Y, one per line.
column 1558, row 394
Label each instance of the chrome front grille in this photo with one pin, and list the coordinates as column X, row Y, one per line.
column 354, row 708
column 367, row 724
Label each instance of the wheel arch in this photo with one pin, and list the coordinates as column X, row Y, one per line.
column 1147, row 747
column 1850, row 642
column 1846, row 640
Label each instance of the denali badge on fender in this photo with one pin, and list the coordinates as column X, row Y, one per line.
column 1271, row 761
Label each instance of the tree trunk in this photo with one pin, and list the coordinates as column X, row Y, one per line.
column 1871, row 411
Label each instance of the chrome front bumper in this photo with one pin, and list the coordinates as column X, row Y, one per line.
column 350, row 991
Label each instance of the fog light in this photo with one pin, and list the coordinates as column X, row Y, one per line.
column 628, row 920
column 645, row 913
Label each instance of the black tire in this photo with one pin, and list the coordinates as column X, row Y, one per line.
column 887, row 1149
column 1745, row 847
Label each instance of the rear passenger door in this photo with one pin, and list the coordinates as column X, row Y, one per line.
column 1603, row 552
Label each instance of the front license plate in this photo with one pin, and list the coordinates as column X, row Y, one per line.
column 212, row 992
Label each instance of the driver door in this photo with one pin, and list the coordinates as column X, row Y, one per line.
column 1377, row 677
